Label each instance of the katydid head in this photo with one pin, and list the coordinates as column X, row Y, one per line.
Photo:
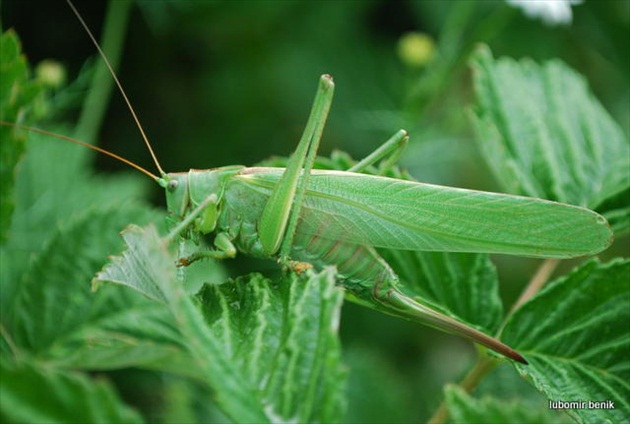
column 175, row 185
column 196, row 195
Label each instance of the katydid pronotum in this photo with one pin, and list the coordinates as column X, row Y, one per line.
column 340, row 218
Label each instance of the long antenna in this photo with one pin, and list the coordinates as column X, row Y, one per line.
column 80, row 143
column 120, row 88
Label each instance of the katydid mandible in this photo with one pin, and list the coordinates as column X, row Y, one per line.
column 340, row 217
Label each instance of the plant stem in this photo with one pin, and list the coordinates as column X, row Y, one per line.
column 484, row 365
column 536, row 283
column 97, row 99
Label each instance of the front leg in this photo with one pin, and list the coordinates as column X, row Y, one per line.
column 205, row 208
column 224, row 249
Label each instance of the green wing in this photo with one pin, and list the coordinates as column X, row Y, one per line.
column 407, row 215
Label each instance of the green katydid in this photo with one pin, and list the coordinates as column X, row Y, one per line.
column 343, row 216
column 340, row 217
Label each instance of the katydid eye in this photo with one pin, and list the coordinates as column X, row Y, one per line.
column 172, row 185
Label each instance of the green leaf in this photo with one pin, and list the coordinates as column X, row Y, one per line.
column 58, row 319
column 574, row 334
column 290, row 348
column 17, row 91
column 463, row 408
column 147, row 253
column 128, row 331
column 50, row 196
column 544, row 135
column 34, row 393
column 53, row 298
column 504, row 384
column 137, row 267
column 286, row 368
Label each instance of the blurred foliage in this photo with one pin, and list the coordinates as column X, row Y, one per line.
column 218, row 83
column 16, row 91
